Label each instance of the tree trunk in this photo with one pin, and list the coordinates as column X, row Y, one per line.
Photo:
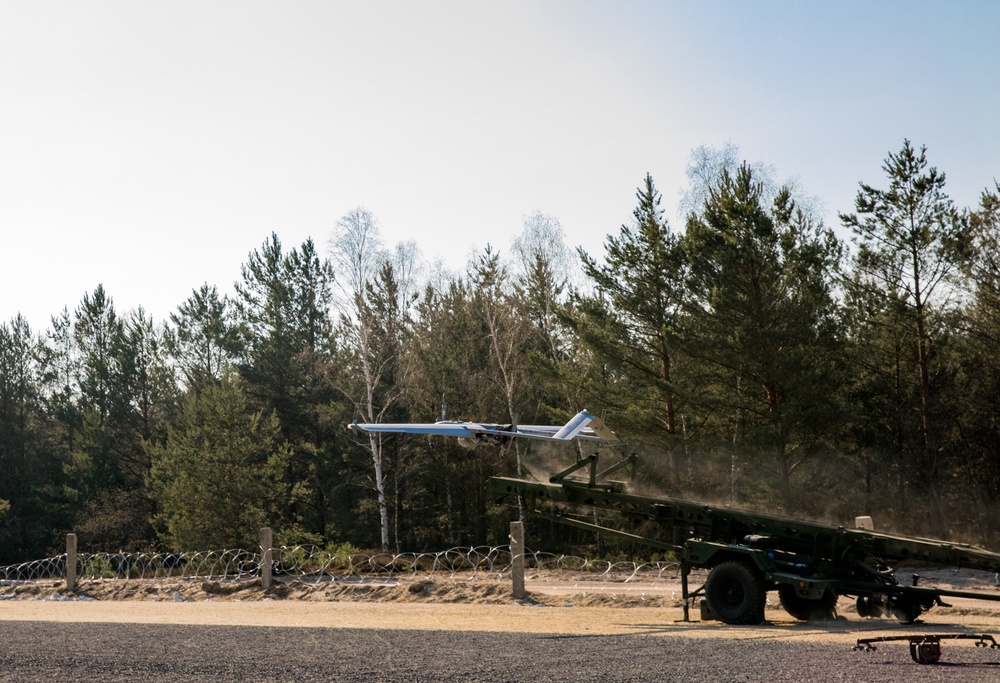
column 383, row 508
column 670, row 417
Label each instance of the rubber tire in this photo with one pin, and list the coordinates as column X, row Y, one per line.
column 867, row 608
column 805, row 609
column 735, row 593
column 906, row 612
column 925, row 653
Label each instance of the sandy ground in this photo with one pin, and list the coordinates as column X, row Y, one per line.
column 556, row 604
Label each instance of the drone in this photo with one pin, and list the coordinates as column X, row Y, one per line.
column 583, row 427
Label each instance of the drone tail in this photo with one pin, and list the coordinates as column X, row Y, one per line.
column 579, row 422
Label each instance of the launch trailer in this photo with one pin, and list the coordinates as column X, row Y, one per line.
column 747, row 554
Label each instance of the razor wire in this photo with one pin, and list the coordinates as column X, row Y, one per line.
column 314, row 564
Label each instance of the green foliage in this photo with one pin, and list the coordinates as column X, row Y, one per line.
column 218, row 476
column 23, row 462
column 342, row 551
column 763, row 324
column 203, row 339
column 280, row 337
column 911, row 244
column 633, row 321
column 739, row 356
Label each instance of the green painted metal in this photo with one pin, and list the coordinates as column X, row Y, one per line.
column 809, row 557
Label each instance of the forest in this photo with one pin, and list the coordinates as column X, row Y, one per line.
column 752, row 357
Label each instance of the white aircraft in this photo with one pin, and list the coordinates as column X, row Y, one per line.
column 470, row 434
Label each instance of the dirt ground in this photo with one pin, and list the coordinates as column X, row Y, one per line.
column 556, row 603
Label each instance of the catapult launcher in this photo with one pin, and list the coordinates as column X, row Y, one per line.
column 747, row 554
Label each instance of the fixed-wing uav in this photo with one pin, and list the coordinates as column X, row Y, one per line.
column 582, row 426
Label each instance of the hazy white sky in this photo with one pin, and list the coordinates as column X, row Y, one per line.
column 150, row 146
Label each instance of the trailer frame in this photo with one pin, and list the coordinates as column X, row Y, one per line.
column 749, row 554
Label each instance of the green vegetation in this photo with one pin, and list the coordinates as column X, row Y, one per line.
column 752, row 358
column 218, row 475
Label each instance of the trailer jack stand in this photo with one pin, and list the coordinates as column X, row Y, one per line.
column 926, row 649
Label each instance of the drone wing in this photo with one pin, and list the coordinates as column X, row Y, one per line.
column 443, row 428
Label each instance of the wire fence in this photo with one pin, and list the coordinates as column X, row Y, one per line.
column 315, row 564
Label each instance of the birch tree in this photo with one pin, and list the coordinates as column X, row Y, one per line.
column 373, row 322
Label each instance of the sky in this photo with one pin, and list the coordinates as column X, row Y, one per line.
column 149, row 147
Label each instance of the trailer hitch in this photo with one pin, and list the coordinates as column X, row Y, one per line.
column 926, row 649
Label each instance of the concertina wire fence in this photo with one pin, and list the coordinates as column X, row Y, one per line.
column 311, row 563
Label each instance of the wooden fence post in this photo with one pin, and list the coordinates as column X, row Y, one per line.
column 71, row 562
column 265, row 558
column 517, row 559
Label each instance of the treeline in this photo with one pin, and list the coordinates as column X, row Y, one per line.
column 751, row 358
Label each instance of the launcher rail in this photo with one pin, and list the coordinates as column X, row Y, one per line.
column 810, row 565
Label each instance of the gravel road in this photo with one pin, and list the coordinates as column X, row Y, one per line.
column 48, row 651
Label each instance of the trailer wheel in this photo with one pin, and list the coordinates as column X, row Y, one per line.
column 805, row 609
column 735, row 592
column 906, row 611
column 869, row 607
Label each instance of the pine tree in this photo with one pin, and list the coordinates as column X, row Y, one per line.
column 978, row 400
column 762, row 324
column 219, row 476
column 202, row 340
column 911, row 241
column 642, row 282
column 282, row 309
